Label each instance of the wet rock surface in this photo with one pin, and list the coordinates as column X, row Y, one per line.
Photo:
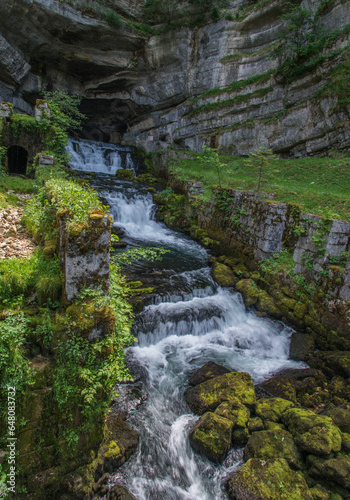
column 208, row 371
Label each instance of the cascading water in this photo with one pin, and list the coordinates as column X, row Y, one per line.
column 191, row 322
column 94, row 156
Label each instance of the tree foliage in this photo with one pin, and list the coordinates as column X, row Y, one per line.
column 302, row 36
column 65, row 109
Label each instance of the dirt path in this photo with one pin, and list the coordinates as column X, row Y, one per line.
column 14, row 239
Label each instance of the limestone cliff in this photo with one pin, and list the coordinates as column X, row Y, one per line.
column 156, row 90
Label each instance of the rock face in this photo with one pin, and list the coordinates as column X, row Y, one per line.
column 141, row 88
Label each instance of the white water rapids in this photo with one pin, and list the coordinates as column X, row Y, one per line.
column 193, row 322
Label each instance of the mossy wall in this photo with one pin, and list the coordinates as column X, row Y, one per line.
column 312, row 294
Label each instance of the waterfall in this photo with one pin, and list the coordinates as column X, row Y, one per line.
column 101, row 157
column 190, row 322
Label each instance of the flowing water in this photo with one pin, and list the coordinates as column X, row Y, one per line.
column 188, row 323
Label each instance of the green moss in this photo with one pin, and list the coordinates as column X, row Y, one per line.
column 272, row 408
column 223, row 275
column 255, row 424
column 266, row 480
column 210, row 394
column 275, row 443
column 211, row 436
column 313, row 433
column 126, row 174
column 235, row 411
column 113, row 450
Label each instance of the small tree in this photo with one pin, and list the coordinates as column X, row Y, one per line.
column 260, row 160
column 211, row 159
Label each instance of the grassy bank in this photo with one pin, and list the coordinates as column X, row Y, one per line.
column 318, row 185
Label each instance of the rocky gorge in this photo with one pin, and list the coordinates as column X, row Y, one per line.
column 271, row 403
column 176, row 87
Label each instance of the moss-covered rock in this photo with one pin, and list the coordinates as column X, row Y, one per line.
column 235, row 411
column 345, row 442
column 255, row 424
column 267, row 480
column 281, row 386
column 123, row 173
column 340, row 417
column 302, row 346
column 273, row 444
column 211, row 436
column 223, row 275
column 319, row 493
column 249, row 290
column 313, row 433
column 337, row 362
column 208, row 371
column 118, row 492
column 335, row 469
column 240, row 436
column 210, row 394
column 272, row 408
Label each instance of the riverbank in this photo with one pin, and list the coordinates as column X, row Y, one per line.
column 291, row 265
column 63, row 335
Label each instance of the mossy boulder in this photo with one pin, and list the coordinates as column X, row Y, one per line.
column 302, row 347
column 118, row 492
column 313, row 433
column 240, row 436
column 319, row 493
column 340, row 417
column 253, row 295
column 126, row 174
column 345, row 442
column 208, row 371
column 273, row 444
column 337, row 362
column 121, row 442
column 255, row 424
column 281, row 386
column 272, row 408
column 211, row 436
column 249, row 290
column 210, row 394
column 223, row 275
column 336, row 470
column 267, row 480
column 235, row 411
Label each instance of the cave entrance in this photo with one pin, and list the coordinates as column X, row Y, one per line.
column 17, row 160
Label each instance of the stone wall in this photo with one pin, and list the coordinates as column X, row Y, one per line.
column 241, row 228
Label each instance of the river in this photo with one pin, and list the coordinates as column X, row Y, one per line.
column 189, row 322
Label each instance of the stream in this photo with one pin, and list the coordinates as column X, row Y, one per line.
column 189, row 322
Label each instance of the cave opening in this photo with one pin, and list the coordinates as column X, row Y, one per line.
column 17, row 160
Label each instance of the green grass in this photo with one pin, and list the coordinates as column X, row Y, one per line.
column 318, row 185
column 238, row 99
